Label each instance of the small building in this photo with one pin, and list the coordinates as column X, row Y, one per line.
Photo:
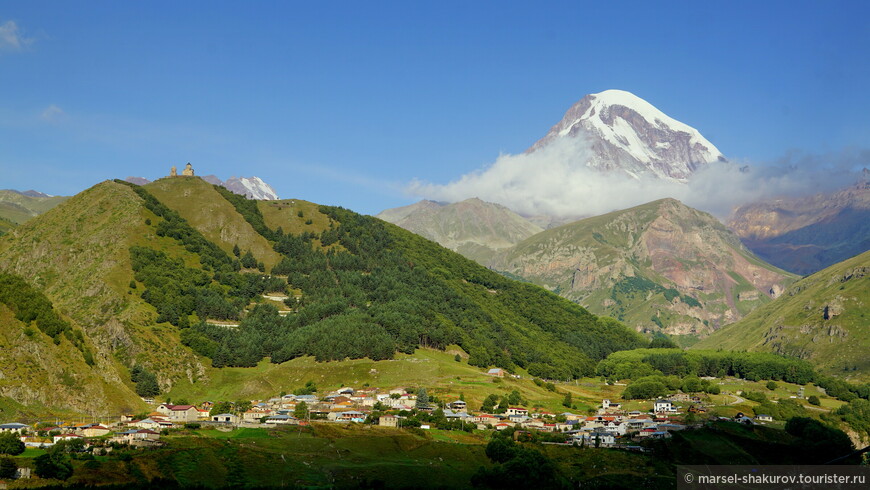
column 497, row 372
column 608, row 405
column 661, row 406
column 458, row 405
column 66, row 437
column 14, row 427
column 281, row 420
column 388, row 421
column 95, row 431
column 183, row 413
column 225, row 418
column 37, row 442
column 137, row 435
column 517, row 411
column 763, row 418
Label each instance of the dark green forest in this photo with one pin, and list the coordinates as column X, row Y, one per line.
column 369, row 289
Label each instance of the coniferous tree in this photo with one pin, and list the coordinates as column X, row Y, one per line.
column 422, row 399
column 147, row 385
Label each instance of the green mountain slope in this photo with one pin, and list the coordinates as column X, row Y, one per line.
column 659, row 266
column 145, row 273
column 474, row 228
column 824, row 318
column 18, row 208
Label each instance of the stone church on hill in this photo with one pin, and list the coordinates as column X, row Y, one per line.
column 187, row 172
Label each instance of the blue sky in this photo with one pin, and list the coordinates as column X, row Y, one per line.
column 346, row 102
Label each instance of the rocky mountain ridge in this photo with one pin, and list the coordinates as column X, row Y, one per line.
column 660, row 266
column 806, row 234
column 474, row 228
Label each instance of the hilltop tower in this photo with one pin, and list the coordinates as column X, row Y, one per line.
column 173, row 172
column 188, row 170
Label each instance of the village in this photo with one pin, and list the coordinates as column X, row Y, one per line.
column 610, row 426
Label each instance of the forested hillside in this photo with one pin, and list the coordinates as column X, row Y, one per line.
column 179, row 278
column 369, row 289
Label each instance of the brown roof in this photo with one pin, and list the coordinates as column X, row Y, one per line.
column 180, row 407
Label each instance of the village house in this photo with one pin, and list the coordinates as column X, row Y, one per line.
column 645, row 432
column 37, row 442
column 95, row 431
column 450, row 414
column 763, row 418
column 497, row 372
column 458, row 405
column 607, row 405
column 516, row 411
column 136, row 435
column 179, row 413
column 388, row 421
column 347, row 416
column 153, row 424
column 663, row 406
column 225, row 418
column 66, row 437
column 603, row 438
column 14, row 427
column 280, row 419
column 255, row 414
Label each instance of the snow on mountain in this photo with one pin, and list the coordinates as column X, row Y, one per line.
column 31, row 193
column 628, row 134
column 252, row 187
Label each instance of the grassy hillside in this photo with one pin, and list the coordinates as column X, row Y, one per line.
column 78, row 255
column 823, row 318
column 661, row 266
column 203, row 207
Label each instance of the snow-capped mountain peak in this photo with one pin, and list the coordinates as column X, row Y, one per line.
column 252, row 187
column 628, row 133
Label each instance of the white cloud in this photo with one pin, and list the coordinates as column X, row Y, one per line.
column 12, row 38
column 53, row 114
column 554, row 181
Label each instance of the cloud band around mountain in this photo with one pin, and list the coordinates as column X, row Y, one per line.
column 554, row 181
